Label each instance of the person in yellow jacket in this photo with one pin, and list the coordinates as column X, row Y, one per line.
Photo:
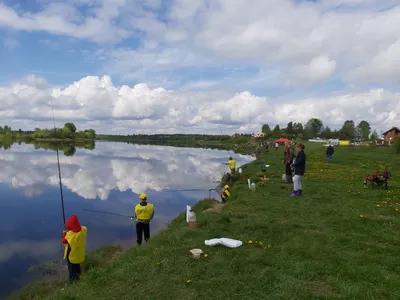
column 232, row 165
column 75, row 247
column 225, row 194
column 144, row 213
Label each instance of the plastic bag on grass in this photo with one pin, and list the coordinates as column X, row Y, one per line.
column 230, row 243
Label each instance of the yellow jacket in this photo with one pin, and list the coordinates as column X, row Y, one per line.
column 232, row 164
column 75, row 240
column 225, row 194
column 144, row 211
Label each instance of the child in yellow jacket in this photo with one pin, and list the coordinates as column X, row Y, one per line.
column 75, row 247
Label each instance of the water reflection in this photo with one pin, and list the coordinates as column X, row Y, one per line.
column 30, row 210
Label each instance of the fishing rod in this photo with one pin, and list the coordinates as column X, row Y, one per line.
column 59, row 170
column 106, row 212
column 220, row 128
column 189, row 190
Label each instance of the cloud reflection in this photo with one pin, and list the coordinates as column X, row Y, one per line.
column 93, row 174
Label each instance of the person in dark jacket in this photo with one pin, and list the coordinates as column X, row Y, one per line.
column 288, row 155
column 299, row 165
column 329, row 153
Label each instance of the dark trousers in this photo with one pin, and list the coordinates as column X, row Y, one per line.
column 142, row 228
column 74, row 271
column 288, row 172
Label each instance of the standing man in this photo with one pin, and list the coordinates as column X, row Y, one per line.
column 144, row 213
column 288, row 155
column 329, row 152
column 232, row 165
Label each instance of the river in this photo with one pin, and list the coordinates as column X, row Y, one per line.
column 107, row 178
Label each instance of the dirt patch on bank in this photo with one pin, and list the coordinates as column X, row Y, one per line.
column 215, row 208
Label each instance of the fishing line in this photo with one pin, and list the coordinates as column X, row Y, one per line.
column 106, row 212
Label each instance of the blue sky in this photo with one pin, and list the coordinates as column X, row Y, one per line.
column 202, row 54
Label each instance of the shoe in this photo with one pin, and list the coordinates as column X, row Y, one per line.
column 294, row 194
column 299, row 193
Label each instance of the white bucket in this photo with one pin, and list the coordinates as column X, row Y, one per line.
column 196, row 252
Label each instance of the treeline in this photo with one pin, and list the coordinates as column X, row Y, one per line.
column 179, row 138
column 315, row 128
column 68, row 148
column 68, row 132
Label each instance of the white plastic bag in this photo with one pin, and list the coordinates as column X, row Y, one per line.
column 230, row 243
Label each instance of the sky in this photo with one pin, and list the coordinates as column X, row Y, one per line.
column 198, row 66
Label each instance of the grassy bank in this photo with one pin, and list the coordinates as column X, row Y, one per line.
column 338, row 241
column 40, row 289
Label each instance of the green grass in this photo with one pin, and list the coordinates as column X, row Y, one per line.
column 313, row 247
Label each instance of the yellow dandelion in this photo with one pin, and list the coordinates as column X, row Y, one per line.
column 260, row 243
column 378, row 206
column 361, row 216
column 188, row 281
column 205, row 255
column 397, row 209
column 269, row 246
column 250, row 242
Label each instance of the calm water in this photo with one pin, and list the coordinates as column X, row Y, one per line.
column 108, row 178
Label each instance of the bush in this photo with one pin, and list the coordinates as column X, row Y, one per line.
column 397, row 146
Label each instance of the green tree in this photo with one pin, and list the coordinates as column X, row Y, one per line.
column 266, row 129
column 297, row 128
column 289, row 128
column 364, row 129
column 277, row 131
column 374, row 136
column 397, row 146
column 326, row 133
column 348, row 130
column 314, row 127
column 358, row 133
column 71, row 127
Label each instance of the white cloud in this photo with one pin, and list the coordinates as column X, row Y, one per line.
column 97, row 103
column 319, row 69
column 355, row 38
column 232, row 47
column 91, row 175
column 65, row 19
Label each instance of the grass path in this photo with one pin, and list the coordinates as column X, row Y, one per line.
column 313, row 247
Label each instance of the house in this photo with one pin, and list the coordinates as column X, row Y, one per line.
column 258, row 134
column 391, row 135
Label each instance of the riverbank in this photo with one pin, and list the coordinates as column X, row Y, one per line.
column 337, row 241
